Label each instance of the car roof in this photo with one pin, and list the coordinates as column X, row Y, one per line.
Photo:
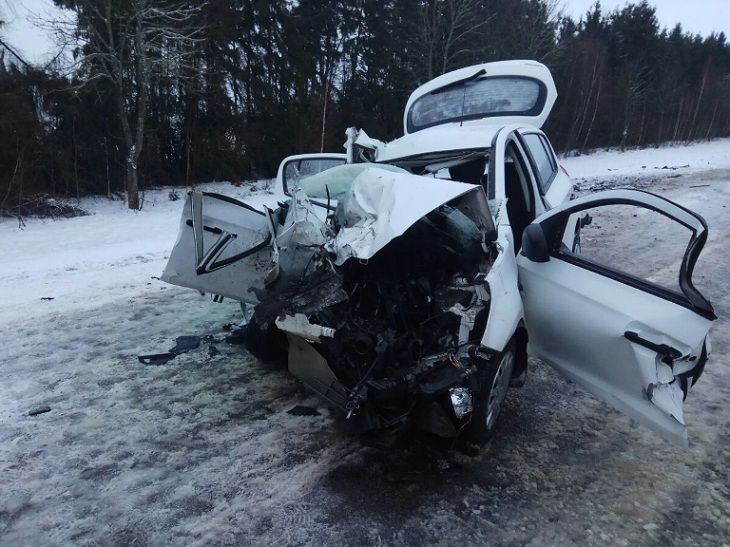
column 443, row 138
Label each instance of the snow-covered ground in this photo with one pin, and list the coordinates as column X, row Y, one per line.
column 678, row 159
column 87, row 261
column 202, row 451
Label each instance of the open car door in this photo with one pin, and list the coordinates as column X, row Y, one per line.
column 223, row 247
column 634, row 344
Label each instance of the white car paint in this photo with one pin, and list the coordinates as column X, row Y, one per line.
column 524, row 68
column 577, row 318
column 437, row 139
column 381, row 205
column 505, row 311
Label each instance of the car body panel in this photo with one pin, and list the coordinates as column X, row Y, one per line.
column 599, row 329
column 319, row 267
column 381, row 205
column 519, row 69
column 506, row 310
column 436, row 139
column 213, row 230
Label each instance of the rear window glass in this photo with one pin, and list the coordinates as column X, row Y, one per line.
column 543, row 159
column 483, row 98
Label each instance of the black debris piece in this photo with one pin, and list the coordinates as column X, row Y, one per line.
column 39, row 410
column 156, row 358
column 47, row 298
column 237, row 336
column 185, row 343
column 303, row 411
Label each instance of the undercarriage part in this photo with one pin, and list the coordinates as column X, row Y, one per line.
column 266, row 343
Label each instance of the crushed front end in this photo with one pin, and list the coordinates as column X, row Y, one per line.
column 383, row 299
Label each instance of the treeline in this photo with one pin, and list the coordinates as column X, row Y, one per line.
column 178, row 92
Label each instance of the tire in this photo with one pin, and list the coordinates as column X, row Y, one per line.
column 266, row 344
column 493, row 381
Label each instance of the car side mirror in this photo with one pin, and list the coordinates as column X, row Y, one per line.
column 534, row 244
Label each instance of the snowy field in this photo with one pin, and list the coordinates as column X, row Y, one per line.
column 201, row 450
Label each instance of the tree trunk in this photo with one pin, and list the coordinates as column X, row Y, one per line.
column 136, row 149
column 324, row 112
column 108, row 179
column 132, row 182
column 712, row 120
column 595, row 111
column 675, row 134
column 693, row 126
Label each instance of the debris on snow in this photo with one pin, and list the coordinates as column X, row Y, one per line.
column 39, row 410
column 156, row 358
column 301, row 410
column 184, row 344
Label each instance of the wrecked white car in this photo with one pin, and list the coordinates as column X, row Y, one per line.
column 406, row 282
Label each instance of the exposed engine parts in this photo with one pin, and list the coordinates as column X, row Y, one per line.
column 390, row 340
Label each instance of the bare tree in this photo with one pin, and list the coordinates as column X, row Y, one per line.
column 443, row 32
column 130, row 45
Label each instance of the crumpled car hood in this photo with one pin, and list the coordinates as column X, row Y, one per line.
column 229, row 248
column 381, row 205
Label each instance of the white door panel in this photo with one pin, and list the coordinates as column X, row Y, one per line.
column 637, row 346
column 294, row 168
column 576, row 320
column 222, row 247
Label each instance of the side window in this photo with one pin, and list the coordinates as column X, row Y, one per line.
column 543, row 158
column 636, row 241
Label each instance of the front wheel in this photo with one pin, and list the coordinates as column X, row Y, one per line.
column 267, row 344
column 493, row 381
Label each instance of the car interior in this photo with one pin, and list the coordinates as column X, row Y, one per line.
column 520, row 197
column 518, row 189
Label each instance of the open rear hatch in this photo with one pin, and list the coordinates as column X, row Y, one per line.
column 510, row 91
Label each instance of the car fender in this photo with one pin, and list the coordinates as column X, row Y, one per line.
column 505, row 309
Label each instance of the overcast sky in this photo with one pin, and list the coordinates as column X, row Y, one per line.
column 698, row 16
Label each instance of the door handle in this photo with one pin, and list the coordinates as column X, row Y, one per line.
column 667, row 353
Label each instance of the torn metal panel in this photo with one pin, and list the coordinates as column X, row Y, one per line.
column 307, row 364
column 375, row 325
column 381, row 205
column 222, row 247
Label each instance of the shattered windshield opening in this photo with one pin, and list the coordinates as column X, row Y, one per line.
column 482, row 98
